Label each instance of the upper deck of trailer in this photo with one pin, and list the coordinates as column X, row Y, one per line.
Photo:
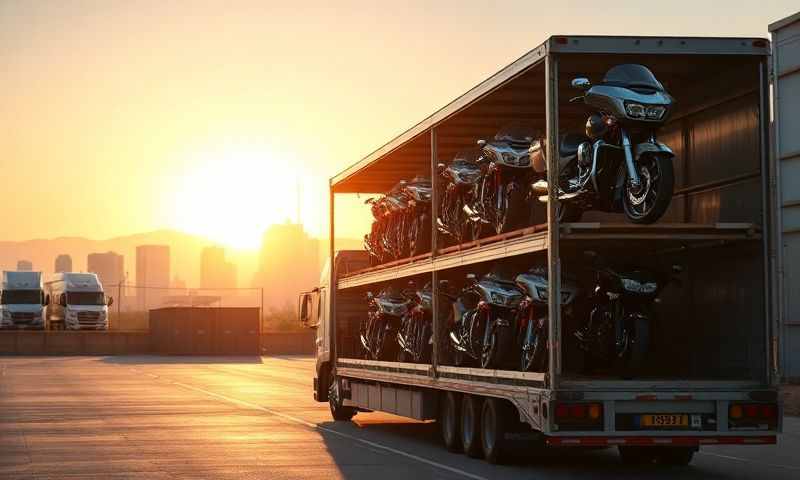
column 514, row 93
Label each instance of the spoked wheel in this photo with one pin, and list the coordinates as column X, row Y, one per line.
column 471, row 426
column 534, row 348
column 648, row 202
column 450, row 420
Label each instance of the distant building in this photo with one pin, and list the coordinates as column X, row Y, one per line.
column 63, row 263
column 109, row 267
column 24, row 266
column 289, row 258
column 215, row 271
column 152, row 275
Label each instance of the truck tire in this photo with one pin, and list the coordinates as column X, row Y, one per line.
column 676, row 456
column 494, row 425
column 471, row 426
column 449, row 421
column 339, row 412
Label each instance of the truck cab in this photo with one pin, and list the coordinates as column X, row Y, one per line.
column 22, row 301
column 79, row 302
column 315, row 310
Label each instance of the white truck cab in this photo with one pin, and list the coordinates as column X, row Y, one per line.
column 78, row 302
column 22, row 301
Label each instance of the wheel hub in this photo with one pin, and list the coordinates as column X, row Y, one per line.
column 638, row 194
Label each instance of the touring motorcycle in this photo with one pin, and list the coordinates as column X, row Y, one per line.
column 502, row 200
column 416, row 228
column 618, row 327
column 481, row 327
column 532, row 316
column 618, row 165
column 384, row 316
column 459, row 181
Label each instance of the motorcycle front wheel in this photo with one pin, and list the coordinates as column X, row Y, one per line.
column 495, row 342
column 534, row 348
column 647, row 203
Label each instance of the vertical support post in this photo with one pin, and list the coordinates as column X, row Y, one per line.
column 775, row 160
column 261, row 316
column 553, row 258
column 770, row 299
column 333, row 290
column 119, row 304
column 434, row 250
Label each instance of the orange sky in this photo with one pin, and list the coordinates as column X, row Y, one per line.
column 127, row 116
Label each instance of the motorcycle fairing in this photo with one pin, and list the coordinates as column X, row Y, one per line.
column 463, row 172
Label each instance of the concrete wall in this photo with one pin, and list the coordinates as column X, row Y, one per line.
column 288, row 343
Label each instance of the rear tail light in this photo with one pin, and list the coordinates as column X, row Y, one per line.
column 579, row 414
column 753, row 414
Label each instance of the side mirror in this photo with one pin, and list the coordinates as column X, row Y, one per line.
column 370, row 296
column 303, row 308
column 440, row 167
column 581, row 83
column 110, row 301
column 472, row 278
column 481, row 143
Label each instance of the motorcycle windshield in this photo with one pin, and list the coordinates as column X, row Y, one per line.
column 517, row 133
column 632, row 76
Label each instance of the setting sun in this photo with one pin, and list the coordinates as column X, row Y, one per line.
column 231, row 195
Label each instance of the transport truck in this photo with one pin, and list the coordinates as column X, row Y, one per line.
column 78, row 302
column 713, row 371
column 22, row 301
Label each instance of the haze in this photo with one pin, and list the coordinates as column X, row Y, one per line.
column 125, row 117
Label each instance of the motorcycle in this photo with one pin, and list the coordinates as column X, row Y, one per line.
column 373, row 241
column 459, row 181
column 532, row 316
column 481, row 327
column 416, row 222
column 618, row 165
column 502, row 200
column 394, row 234
column 618, row 327
column 384, row 315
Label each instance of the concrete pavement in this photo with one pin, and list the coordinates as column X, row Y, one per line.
column 212, row 417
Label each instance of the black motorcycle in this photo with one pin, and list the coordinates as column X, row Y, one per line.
column 618, row 166
column 374, row 240
column 384, row 316
column 532, row 316
column 395, row 238
column 416, row 222
column 618, row 327
column 483, row 314
column 459, row 185
column 502, row 200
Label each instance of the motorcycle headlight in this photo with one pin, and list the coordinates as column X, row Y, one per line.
column 655, row 113
column 506, row 300
column 635, row 110
column 516, row 160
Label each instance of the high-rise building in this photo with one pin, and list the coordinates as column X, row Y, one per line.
column 215, row 271
column 63, row 263
column 109, row 267
column 24, row 266
column 289, row 259
column 152, row 275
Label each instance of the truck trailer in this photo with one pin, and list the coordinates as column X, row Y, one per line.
column 712, row 374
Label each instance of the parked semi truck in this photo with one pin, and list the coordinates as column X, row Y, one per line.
column 712, row 368
column 22, row 301
column 78, row 302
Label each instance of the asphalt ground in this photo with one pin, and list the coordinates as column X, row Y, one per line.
column 216, row 418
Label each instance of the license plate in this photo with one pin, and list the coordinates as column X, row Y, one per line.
column 660, row 421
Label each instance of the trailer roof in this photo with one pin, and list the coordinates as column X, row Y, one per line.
column 784, row 22
column 371, row 175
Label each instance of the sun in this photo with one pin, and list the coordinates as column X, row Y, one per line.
column 231, row 195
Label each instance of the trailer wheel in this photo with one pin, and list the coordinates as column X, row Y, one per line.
column 339, row 412
column 677, row 456
column 449, row 421
column 471, row 426
column 494, row 425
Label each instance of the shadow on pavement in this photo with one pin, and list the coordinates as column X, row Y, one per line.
column 181, row 360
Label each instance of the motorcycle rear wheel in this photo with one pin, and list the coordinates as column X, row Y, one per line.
column 655, row 194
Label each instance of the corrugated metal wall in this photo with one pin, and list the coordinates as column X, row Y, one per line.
column 205, row 331
column 786, row 51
